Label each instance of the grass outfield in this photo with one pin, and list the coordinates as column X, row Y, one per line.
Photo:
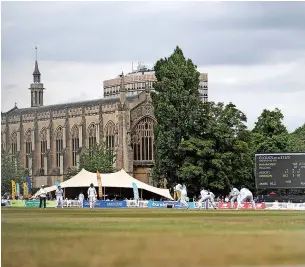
column 150, row 238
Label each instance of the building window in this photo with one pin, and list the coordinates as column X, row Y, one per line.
column 43, row 147
column 59, row 144
column 14, row 142
column 110, row 134
column 143, row 140
column 92, row 136
column 28, row 148
column 75, row 144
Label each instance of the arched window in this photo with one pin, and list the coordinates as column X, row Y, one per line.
column 110, row 134
column 43, row 147
column 143, row 140
column 28, row 148
column 59, row 144
column 14, row 142
column 92, row 135
column 75, row 144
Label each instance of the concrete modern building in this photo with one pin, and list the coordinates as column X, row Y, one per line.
column 137, row 80
column 50, row 139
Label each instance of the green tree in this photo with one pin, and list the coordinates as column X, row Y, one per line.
column 270, row 134
column 10, row 169
column 270, row 123
column 217, row 155
column 175, row 103
column 296, row 141
column 99, row 158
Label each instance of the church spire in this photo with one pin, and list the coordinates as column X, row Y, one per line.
column 36, row 87
column 36, row 73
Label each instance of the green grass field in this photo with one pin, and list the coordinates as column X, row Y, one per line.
column 150, row 238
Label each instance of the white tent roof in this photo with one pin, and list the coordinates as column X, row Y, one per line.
column 116, row 179
column 47, row 189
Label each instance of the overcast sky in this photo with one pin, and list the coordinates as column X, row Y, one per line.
column 254, row 52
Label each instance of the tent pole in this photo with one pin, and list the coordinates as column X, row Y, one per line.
column 104, row 191
column 141, row 193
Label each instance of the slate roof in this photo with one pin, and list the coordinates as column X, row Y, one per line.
column 87, row 103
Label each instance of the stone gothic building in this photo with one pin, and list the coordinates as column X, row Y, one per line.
column 49, row 139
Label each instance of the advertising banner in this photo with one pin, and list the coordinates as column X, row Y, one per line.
column 17, row 203
column 246, row 205
column 28, row 180
column 107, row 204
column 99, row 182
column 35, row 203
column 13, row 189
column 135, row 191
column 18, row 189
column 163, row 204
column 25, row 189
column 285, row 206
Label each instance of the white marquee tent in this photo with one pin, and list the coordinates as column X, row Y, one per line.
column 116, row 179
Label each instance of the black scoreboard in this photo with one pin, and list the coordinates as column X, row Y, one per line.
column 284, row 170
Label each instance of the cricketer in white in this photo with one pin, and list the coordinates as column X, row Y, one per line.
column 245, row 194
column 81, row 198
column 205, row 196
column 234, row 195
column 59, row 197
column 183, row 194
column 92, row 195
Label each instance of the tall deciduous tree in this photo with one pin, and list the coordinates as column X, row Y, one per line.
column 217, row 155
column 10, row 169
column 270, row 134
column 297, row 140
column 99, row 158
column 270, row 123
column 175, row 103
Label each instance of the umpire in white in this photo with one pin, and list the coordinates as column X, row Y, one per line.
column 42, row 197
